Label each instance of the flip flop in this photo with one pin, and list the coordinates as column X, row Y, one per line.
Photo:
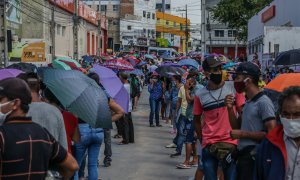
column 183, row 166
column 193, row 165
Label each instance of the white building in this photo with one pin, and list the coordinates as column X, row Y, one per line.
column 137, row 24
column 274, row 29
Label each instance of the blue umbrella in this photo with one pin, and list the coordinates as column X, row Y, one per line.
column 189, row 62
column 142, row 63
column 148, row 56
column 80, row 95
column 229, row 65
column 87, row 58
column 137, row 72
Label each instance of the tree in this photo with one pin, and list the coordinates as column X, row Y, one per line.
column 236, row 13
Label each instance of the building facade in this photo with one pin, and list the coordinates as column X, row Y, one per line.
column 171, row 31
column 218, row 37
column 32, row 30
column 137, row 24
column 111, row 10
column 275, row 29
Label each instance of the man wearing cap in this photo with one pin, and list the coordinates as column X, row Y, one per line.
column 214, row 135
column 27, row 150
column 258, row 117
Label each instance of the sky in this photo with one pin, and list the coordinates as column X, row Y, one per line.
column 194, row 9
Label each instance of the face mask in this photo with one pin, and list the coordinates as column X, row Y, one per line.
column 240, row 86
column 291, row 127
column 2, row 115
column 216, row 78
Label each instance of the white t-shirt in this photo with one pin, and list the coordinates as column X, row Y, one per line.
column 127, row 87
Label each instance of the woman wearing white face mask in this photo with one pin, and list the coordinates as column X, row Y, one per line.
column 278, row 156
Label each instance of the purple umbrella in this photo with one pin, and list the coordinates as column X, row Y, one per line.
column 113, row 86
column 170, row 64
column 6, row 73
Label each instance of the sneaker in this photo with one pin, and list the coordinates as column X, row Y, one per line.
column 175, row 155
column 151, row 125
column 158, row 125
column 171, row 146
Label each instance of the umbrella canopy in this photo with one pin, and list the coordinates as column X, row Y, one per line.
column 152, row 68
column 148, row 56
column 7, row 73
column 25, row 67
column 133, row 62
column 189, row 63
column 137, row 72
column 66, row 64
column 141, row 63
column 167, row 70
column 80, row 95
column 87, row 58
column 284, row 81
column 274, row 96
column 291, row 57
column 170, row 64
column 229, row 65
column 113, row 85
column 118, row 64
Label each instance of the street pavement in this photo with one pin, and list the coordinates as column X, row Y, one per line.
column 147, row 158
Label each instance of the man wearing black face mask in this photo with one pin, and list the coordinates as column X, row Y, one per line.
column 209, row 107
column 257, row 118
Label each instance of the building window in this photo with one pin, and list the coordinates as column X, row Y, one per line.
column 103, row 8
column 158, row 20
column 116, row 22
column 144, row 14
column 168, row 6
column 58, row 28
column 158, row 34
column 128, row 27
column 167, row 22
column 63, row 30
column 115, row 7
column 231, row 33
column 219, row 33
column 148, row 15
column 174, row 24
column 144, row 30
column 98, row 8
column 158, row 6
column 153, row 16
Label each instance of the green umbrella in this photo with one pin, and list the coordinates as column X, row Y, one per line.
column 80, row 95
column 65, row 63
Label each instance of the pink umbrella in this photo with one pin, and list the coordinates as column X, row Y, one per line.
column 118, row 64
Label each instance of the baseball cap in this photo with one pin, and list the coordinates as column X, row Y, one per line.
column 15, row 88
column 211, row 62
column 248, row 68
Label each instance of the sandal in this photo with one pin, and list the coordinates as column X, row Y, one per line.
column 193, row 164
column 183, row 166
column 117, row 136
column 122, row 143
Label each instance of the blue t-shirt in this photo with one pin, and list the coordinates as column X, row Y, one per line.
column 156, row 92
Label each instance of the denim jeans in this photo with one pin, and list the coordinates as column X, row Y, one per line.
column 91, row 140
column 107, row 143
column 181, row 133
column 211, row 164
column 154, row 110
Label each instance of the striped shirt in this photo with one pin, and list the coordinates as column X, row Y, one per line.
column 210, row 104
column 27, row 150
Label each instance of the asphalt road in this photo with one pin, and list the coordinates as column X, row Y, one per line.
column 147, row 158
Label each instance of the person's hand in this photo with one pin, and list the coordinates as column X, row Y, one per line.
column 229, row 101
column 187, row 86
column 151, row 81
column 236, row 134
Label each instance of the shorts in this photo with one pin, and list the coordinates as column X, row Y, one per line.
column 190, row 132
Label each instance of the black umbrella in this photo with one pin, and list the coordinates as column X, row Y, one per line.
column 25, row 67
column 287, row 58
column 166, row 71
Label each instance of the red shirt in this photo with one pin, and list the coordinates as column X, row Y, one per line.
column 71, row 123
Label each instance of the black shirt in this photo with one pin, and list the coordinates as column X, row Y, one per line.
column 27, row 150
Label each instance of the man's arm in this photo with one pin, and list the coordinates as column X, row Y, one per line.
column 178, row 104
column 234, row 121
column 239, row 134
column 198, row 126
column 116, row 108
column 68, row 167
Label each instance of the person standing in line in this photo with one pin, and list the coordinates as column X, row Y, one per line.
column 278, row 155
column 156, row 93
column 27, row 149
column 258, row 117
column 126, row 121
column 176, row 84
column 209, row 107
column 44, row 114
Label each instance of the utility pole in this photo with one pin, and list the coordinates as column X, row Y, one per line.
column 52, row 31
column 163, row 6
column 99, row 30
column 203, row 41
column 4, row 49
column 75, row 30
column 186, row 32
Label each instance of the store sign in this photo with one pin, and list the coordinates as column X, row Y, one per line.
column 28, row 50
column 176, row 41
column 142, row 41
column 268, row 14
column 152, row 42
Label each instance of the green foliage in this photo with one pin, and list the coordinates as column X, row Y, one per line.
column 236, row 13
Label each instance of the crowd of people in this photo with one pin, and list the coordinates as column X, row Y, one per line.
column 229, row 126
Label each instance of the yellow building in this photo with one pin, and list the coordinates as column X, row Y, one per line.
column 171, row 31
